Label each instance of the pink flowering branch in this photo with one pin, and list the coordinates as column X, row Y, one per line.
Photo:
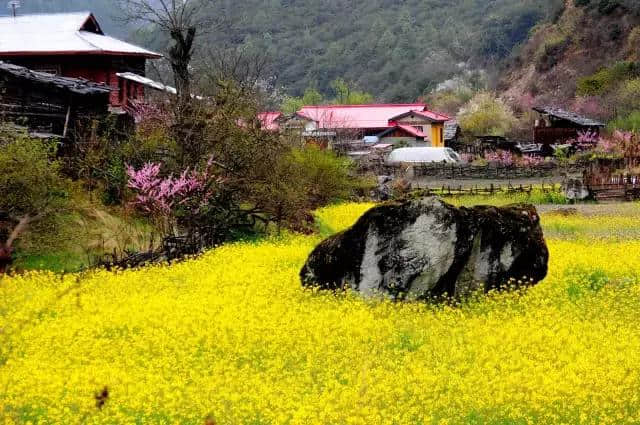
column 504, row 158
column 162, row 197
column 585, row 140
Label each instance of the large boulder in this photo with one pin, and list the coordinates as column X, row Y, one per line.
column 426, row 248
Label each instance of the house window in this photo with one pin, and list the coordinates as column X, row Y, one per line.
column 418, row 127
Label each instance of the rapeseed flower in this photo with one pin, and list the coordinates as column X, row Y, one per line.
column 231, row 336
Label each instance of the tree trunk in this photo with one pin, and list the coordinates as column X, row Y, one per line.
column 180, row 57
column 6, row 258
column 6, row 249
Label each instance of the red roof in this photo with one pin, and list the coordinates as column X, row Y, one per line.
column 358, row 116
column 411, row 130
column 269, row 120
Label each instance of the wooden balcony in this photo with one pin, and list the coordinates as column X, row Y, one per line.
column 552, row 135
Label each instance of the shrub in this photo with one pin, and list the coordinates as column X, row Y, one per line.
column 607, row 7
column 633, row 41
column 591, row 106
column 503, row 158
column 486, row 114
column 303, row 180
column 586, row 140
column 630, row 122
column 194, row 204
column 31, row 186
column 449, row 101
column 628, row 96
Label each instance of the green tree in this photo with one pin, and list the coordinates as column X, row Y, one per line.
column 345, row 94
column 311, row 97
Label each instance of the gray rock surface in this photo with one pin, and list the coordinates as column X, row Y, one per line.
column 425, row 248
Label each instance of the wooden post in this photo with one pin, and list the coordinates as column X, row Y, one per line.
column 66, row 121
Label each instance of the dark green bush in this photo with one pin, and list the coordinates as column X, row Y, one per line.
column 606, row 79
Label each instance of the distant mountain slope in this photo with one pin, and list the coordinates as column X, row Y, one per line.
column 395, row 49
column 587, row 60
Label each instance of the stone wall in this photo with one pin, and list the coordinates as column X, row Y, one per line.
column 467, row 171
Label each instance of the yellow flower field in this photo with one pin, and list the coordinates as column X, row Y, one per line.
column 231, row 338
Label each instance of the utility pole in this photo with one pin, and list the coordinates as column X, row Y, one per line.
column 14, row 5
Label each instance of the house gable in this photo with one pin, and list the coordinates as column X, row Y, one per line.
column 91, row 25
column 297, row 121
column 420, row 117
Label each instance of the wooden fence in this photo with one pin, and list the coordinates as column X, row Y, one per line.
column 467, row 171
column 614, row 188
column 489, row 190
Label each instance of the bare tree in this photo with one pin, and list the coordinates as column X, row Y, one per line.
column 245, row 69
column 182, row 20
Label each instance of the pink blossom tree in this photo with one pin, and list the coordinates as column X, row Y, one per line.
column 586, row 140
column 530, row 161
column 164, row 198
column 620, row 143
column 503, row 158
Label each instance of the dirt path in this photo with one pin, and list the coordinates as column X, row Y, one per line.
column 621, row 209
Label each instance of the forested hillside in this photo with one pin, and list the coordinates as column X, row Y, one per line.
column 395, row 49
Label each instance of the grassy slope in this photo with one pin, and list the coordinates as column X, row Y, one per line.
column 74, row 238
column 232, row 336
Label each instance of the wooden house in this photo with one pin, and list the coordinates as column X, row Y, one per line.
column 558, row 126
column 73, row 45
column 425, row 125
column 49, row 105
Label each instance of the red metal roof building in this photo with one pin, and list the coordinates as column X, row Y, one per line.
column 408, row 122
column 74, row 45
column 376, row 116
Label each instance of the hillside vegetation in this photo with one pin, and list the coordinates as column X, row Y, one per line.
column 587, row 60
column 398, row 50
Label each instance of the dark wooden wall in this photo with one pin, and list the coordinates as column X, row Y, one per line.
column 44, row 107
column 96, row 68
